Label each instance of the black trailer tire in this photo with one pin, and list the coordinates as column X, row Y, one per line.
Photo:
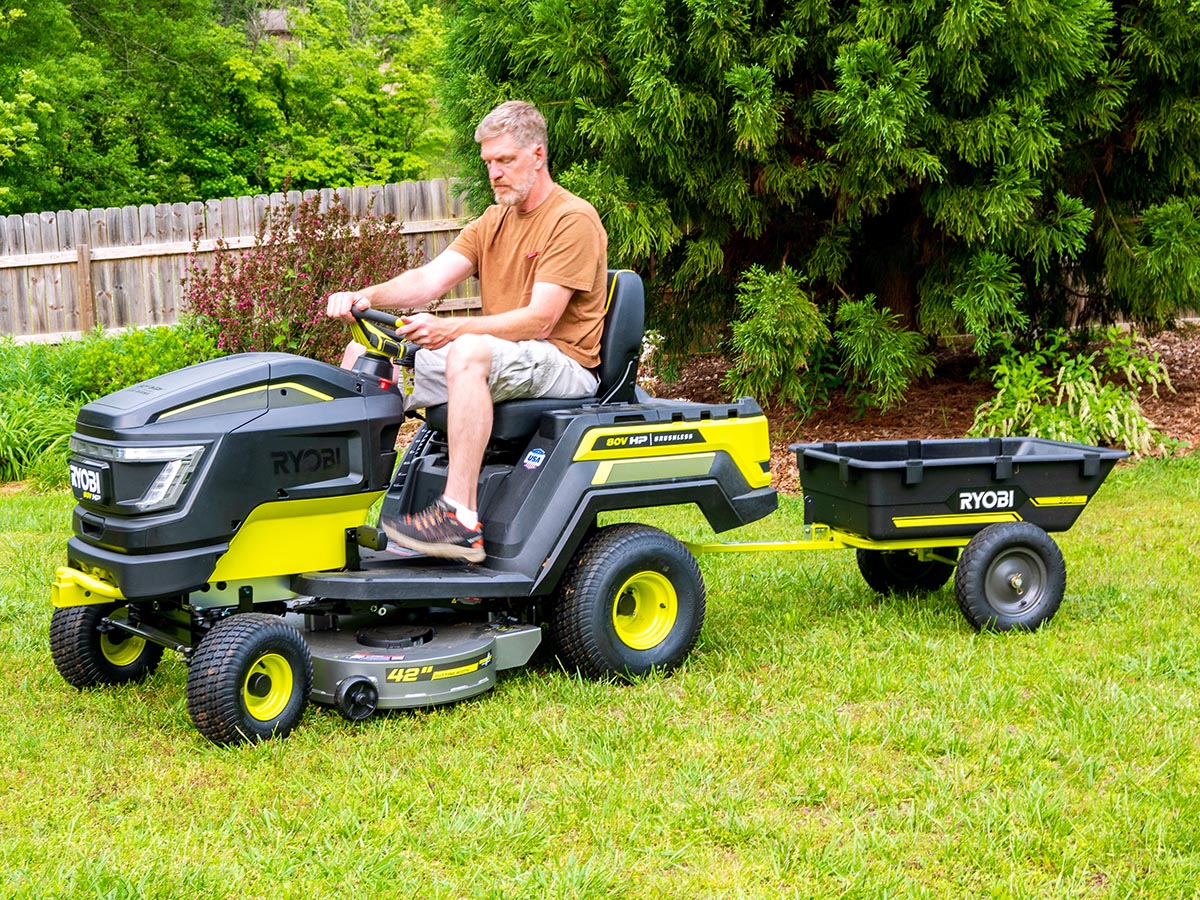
column 1011, row 576
column 901, row 572
column 631, row 602
column 249, row 679
column 86, row 656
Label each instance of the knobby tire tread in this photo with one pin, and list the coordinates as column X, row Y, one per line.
column 74, row 647
column 215, row 677
column 572, row 633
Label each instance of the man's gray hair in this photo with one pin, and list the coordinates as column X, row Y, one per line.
column 517, row 118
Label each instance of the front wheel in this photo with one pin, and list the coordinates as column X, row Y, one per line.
column 249, row 679
column 1011, row 576
column 631, row 602
column 87, row 654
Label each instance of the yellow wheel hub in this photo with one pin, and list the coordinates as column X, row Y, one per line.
column 645, row 610
column 268, row 687
column 123, row 650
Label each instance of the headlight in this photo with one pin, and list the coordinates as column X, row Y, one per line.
column 177, row 464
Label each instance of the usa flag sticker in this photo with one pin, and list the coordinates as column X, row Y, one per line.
column 534, row 458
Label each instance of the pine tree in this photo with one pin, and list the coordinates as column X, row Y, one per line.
column 975, row 165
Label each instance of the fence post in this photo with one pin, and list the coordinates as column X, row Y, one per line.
column 83, row 282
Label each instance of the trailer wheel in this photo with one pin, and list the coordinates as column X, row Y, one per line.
column 249, row 679
column 1011, row 576
column 902, row 572
column 631, row 602
column 86, row 656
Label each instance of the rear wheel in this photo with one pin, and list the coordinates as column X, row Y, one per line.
column 1011, row 576
column 87, row 654
column 903, row 572
column 632, row 602
column 249, row 679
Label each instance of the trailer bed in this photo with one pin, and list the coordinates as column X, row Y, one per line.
column 902, row 490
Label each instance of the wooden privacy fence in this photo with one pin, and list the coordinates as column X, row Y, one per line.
column 66, row 272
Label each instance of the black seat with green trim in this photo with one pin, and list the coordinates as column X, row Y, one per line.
column 620, row 350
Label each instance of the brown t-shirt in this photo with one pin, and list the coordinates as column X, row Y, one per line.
column 561, row 242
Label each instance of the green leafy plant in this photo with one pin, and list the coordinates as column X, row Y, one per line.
column 779, row 329
column 34, row 424
column 272, row 295
column 937, row 155
column 106, row 363
column 881, row 358
column 1058, row 390
column 42, row 387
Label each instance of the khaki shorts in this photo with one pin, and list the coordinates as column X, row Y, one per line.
column 519, row 371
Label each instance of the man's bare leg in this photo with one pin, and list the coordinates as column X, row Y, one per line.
column 469, row 416
column 450, row 527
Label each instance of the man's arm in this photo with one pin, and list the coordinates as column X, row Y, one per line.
column 534, row 322
column 412, row 289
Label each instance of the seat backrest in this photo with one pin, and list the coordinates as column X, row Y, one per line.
column 621, row 342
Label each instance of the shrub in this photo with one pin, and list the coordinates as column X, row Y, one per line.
column 779, row 330
column 272, row 295
column 107, row 363
column 1057, row 390
column 42, row 387
column 880, row 358
column 35, row 384
column 33, row 424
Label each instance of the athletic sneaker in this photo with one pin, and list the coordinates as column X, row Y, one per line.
column 436, row 531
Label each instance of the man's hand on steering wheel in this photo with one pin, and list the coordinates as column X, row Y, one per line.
column 340, row 304
column 428, row 331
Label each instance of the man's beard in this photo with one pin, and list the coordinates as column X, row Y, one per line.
column 515, row 195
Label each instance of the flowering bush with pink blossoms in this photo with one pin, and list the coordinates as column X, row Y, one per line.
column 271, row 296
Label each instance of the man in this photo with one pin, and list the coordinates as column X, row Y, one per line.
column 541, row 254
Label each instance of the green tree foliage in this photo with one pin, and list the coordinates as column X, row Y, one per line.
column 18, row 128
column 129, row 102
column 975, row 165
column 350, row 94
column 105, row 103
column 881, row 357
column 778, row 330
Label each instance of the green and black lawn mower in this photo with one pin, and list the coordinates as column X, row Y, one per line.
column 224, row 512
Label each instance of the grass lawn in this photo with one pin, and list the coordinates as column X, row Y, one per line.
column 820, row 742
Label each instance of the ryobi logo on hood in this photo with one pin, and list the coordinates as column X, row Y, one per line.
column 297, row 460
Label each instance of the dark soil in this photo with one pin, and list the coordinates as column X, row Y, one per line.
column 941, row 406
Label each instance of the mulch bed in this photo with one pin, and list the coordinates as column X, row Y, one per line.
column 941, row 406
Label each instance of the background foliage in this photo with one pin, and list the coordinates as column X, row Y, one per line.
column 998, row 168
column 106, row 103
column 1062, row 388
column 975, row 166
column 42, row 387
